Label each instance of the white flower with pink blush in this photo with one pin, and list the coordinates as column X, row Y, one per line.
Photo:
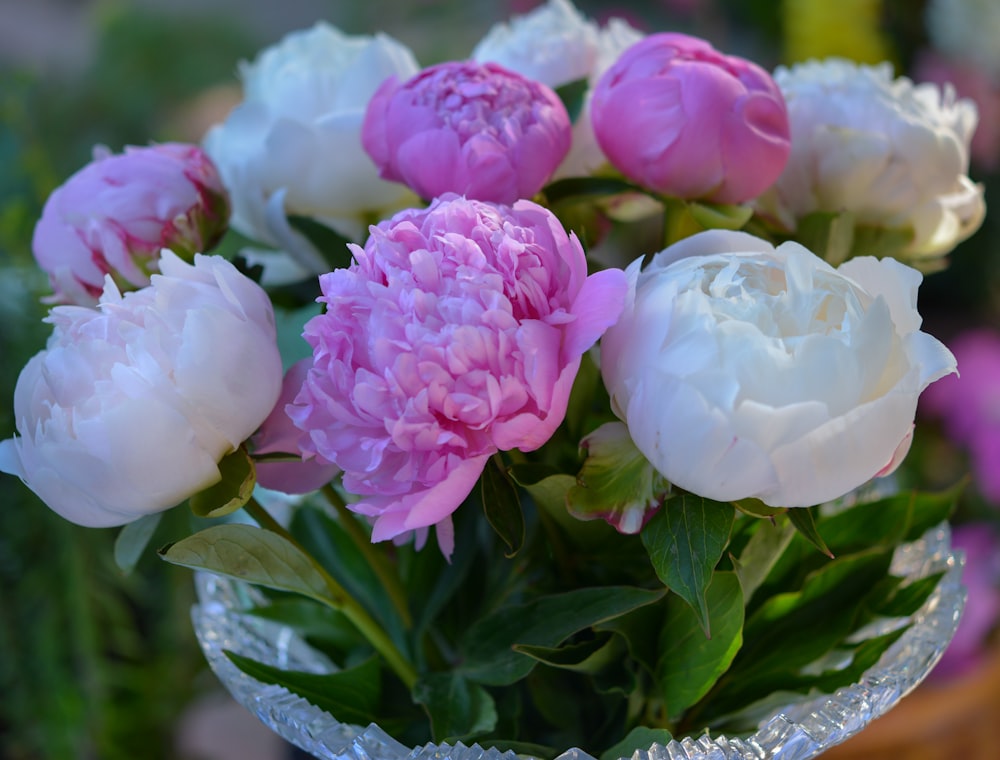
column 131, row 405
column 457, row 333
column 748, row 371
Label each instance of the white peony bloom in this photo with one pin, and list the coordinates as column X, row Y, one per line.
column 557, row 45
column 748, row 371
column 132, row 404
column 894, row 154
column 967, row 30
column 293, row 146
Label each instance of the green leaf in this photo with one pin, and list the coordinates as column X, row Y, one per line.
column 234, row 489
column 590, row 656
column 639, row 738
column 690, row 665
column 133, row 539
column 330, row 243
column 685, row 541
column 502, row 506
column 490, row 657
column 907, row 599
column 572, row 95
column 761, row 553
column 329, row 543
column 459, row 710
column 250, row 554
column 804, row 521
column 793, row 630
column 351, row 695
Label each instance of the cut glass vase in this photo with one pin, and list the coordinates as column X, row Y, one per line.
column 795, row 731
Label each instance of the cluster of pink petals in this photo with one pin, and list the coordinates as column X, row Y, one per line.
column 456, row 333
column 676, row 116
column 279, row 435
column 117, row 213
column 476, row 129
column 969, row 405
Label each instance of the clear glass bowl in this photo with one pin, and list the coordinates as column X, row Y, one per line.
column 795, row 731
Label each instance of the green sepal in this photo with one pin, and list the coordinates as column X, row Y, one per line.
column 720, row 216
column 804, row 520
column 617, row 483
column 133, row 539
column 239, row 475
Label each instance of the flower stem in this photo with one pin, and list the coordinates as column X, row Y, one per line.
column 342, row 601
column 376, row 560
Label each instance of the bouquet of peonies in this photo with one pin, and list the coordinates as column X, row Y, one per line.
column 605, row 338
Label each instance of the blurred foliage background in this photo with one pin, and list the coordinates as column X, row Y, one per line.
column 95, row 664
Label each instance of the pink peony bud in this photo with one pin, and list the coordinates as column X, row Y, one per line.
column 676, row 116
column 475, row 129
column 117, row 213
column 456, row 333
column 278, row 435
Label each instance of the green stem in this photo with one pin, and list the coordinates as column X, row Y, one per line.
column 341, row 600
column 376, row 560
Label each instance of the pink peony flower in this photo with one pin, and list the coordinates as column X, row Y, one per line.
column 969, row 405
column 475, row 129
column 981, row 576
column 680, row 118
column 117, row 213
column 456, row 333
column 279, row 435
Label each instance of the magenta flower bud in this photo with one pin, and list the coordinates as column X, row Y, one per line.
column 474, row 129
column 678, row 117
column 117, row 213
column 456, row 333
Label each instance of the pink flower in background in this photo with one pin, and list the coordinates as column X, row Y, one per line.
column 131, row 405
column 981, row 577
column 117, row 213
column 678, row 117
column 456, row 333
column 279, row 435
column 478, row 130
column 968, row 405
column 969, row 82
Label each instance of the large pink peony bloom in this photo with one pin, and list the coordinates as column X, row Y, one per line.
column 118, row 212
column 676, row 116
column 475, row 129
column 456, row 333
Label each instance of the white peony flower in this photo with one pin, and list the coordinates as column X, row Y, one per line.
column 894, row 154
column 966, row 30
column 293, row 146
column 748, row 371
column 557, row 45
column 132, row 404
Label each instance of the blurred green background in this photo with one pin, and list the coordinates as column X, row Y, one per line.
column 94, row 664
